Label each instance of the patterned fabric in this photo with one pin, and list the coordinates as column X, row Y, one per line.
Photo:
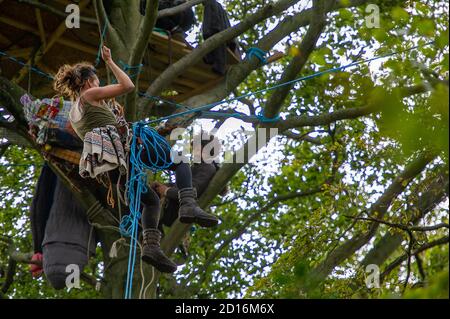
column 104, row 148
column 61, row 119
column 44, row 114
column 103, row 151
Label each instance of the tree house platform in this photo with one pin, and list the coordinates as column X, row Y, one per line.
column 39, row 34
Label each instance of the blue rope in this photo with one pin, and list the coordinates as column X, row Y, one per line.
column 256, row 52
column 137, row 184
column 153, row 141
column 36, row 70
column 260, row 117
column 264, row 119
column 211, row 105
column 304, row 78
column 126, row 67
column 102, row 36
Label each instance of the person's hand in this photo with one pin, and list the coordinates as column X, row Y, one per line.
column 36, row 270
column 160, row 188
column 106, row 54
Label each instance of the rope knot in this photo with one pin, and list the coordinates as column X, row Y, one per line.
column 258, row 53
column 262, row 118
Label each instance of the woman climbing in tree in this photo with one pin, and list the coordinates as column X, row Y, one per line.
column 105, row 134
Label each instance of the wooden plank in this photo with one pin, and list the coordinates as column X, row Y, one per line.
column 63, row 2
column 20, row 53
column 192, row 72
column 180, row 80
column 18, row 25
column 161, row 38
column 51, row 41
column 201, row 66
column 67, row 42
column 161, row 44
column 45, row 68
column 40, row 27
column 180, row 49
column 4, row 40
column 143, row 86
column 78, row 45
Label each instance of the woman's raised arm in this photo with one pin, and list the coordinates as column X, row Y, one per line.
column 124, row 85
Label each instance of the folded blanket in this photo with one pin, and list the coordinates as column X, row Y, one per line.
column 103, row 151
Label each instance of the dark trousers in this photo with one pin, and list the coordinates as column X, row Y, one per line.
column 150, row 199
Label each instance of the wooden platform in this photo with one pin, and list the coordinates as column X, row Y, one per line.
column 25, row 29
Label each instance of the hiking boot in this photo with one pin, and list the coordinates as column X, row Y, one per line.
column 190, row 212
column 152, row 253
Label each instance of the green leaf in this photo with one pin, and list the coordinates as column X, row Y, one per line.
column 399, row 14
column 426, row 27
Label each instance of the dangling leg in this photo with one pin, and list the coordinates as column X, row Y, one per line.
column 189, row 211
column 151, row 250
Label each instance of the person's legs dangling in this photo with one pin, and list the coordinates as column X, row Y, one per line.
column 150, row 213
column 151, row 250
column 189, row 211
column 183, row 175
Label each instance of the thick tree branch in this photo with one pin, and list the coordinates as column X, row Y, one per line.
column 344, row 114
column 238, row 73
column 9, row 279
column 9, row 92
column 307, row 45
column 180, row 8
column 26, row 259
column 137, row 53
column 3, row 147
column 13, row 137
column 210, row 44
column 112, row 38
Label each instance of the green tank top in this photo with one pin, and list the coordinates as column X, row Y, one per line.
column 93, row 116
